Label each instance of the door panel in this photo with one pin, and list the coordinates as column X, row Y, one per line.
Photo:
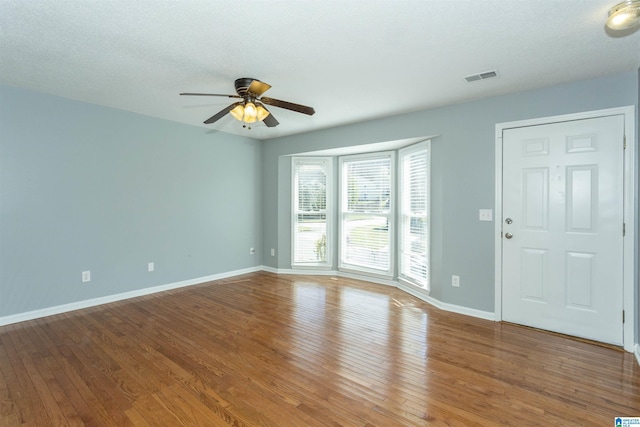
column 563, row 209
column 534, row 274
column 582, row 198
column 580, row 269
column 535, row 198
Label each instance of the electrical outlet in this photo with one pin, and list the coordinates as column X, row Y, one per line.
column 86, row 276
column 455, row 281
column 252, row 251
column 151, row 266
column 273, row 252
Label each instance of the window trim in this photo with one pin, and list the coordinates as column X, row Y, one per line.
column 390, row 272
column 426, row 146
column 329, row 215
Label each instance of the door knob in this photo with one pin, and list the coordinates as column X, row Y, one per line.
column 508, row 220
column 508, row 235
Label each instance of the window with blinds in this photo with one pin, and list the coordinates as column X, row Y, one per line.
column 414, row 214
column 366, row 205
column 311, row 184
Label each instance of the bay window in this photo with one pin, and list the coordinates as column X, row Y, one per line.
column 367, row 213
column 414, row 214
column 311, row 231
column 377, row 228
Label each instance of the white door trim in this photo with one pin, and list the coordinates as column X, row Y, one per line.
column 629, row 260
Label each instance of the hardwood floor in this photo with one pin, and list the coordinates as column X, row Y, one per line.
column 268, row 350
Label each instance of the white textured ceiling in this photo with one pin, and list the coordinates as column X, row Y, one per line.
column 350, row 60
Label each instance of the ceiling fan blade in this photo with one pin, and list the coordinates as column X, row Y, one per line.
column 209, row 94
column 270, row 121
column 258, row 88
column 221, row 113
column 289, row 106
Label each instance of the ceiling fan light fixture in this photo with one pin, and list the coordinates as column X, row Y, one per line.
column 250, row 112
column 251, row 107
column 624, row 16
column 238, row 112
column 262, row 112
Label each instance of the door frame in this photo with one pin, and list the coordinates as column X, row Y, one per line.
column 630, row 214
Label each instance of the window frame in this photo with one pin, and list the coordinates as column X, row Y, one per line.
column 328, row 211
column 391, row 215
column 402, row 153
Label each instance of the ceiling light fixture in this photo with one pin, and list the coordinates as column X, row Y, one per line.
column 624, row 16
column 252, row 107
column 262, row 112
column 249, row 112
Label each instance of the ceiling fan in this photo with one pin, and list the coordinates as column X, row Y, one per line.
column 252, row 107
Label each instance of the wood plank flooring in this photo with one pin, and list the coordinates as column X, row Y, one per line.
column 269, row 350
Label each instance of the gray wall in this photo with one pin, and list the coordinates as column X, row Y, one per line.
column 84, row 187
column 462, row 174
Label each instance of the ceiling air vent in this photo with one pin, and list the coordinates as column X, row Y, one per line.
column 482, row 76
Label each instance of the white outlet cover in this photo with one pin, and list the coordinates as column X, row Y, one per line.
column 86, row 276
column 151, row 266
column 455, row 281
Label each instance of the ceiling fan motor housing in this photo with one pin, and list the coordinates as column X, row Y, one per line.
column 242, row 85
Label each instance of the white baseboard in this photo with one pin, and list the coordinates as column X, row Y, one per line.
column 637, row 353
column 372, row 279
column 302, row 271
column 418, row 293
column 269, row 269
column 64, row 308
column 322, row 272
column 424, row 296
column 460, row 309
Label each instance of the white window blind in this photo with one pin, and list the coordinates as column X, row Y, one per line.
column 311, row 184
column 366, row 210
column 414, row 218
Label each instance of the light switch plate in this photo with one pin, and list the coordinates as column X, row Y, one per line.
column 486, row 215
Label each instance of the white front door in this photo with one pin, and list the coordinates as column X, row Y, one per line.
column 562, row 246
